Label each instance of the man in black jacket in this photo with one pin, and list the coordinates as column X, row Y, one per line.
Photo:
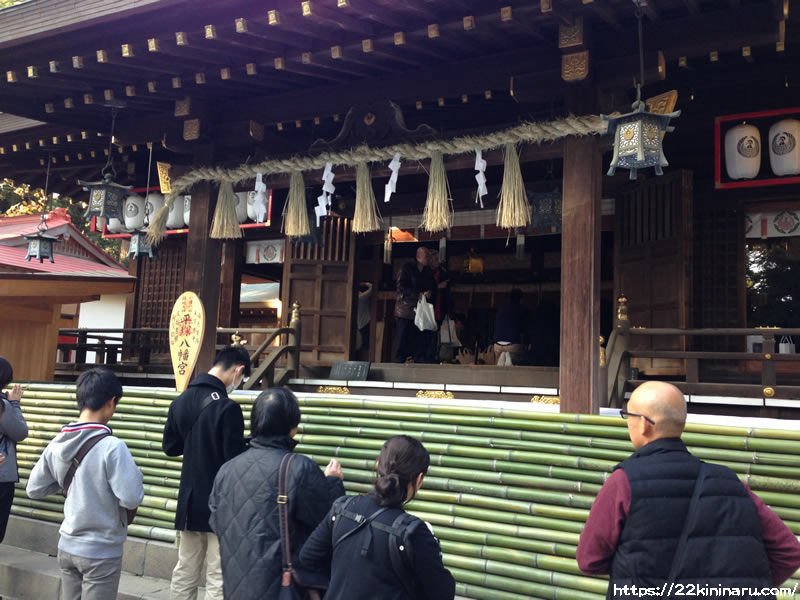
column 207, row 428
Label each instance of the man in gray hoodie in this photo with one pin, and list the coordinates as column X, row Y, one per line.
column 13, row 429
column 106, row 485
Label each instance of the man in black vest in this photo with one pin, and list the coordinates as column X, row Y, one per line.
column 640, row 529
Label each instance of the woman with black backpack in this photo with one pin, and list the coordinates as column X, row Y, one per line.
column 375, row 549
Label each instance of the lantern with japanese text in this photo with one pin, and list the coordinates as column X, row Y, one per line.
column 742, row 151
column 784, row 155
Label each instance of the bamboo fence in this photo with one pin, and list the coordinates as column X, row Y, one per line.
column 507, row 493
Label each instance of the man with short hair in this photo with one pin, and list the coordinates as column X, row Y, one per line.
column 413, row 282
column 207, row 428
column 105, row 489
column 640, row 529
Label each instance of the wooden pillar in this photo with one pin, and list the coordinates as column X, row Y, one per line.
column 579, row 371
column 203, row 258
column 230, row 283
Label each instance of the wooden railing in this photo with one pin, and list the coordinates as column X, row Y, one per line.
column 617, row 356
column 147, row 349
column 264, row 358
column 113, row 346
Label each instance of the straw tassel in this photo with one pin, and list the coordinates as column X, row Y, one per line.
column 225, row 225
column 156, row 232
column 514, row 209
column 436, row 216
column 366, row 217
column 295, row 215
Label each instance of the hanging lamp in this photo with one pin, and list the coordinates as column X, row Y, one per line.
column 639, row 135
column 106, row 196
column 40, row 245
column 139, row 244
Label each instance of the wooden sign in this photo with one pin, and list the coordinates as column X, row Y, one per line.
column 186, row 326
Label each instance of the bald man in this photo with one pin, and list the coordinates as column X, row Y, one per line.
column 638, row 531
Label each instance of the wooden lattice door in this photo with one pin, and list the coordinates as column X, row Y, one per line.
column 653, row 263
column 320, row 276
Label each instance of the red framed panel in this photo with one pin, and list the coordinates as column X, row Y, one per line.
column 751, row 116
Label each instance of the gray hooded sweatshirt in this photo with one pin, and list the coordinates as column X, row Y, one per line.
column 105, row 484
column 13, row 429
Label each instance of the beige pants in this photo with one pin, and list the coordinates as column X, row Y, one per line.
column 195, row 548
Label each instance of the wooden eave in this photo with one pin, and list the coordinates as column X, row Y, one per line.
column 66, row 289
column 241, row 67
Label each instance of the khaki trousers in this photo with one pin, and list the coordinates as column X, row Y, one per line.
column 195, row 548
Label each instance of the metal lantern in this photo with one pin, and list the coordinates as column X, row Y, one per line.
column 638, row 138
column 139, row 246
column 105, row 197
column 638, row 135
column 40, row 245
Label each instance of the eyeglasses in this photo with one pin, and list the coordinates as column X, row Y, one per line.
column 625, row 414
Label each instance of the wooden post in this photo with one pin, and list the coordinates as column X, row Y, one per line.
column 579, row 372
column 295, row 324
column 203, row 258
column 230, row 283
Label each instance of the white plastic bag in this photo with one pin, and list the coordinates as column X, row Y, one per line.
column 425, row 319
column 447, row 334
column 786, row 345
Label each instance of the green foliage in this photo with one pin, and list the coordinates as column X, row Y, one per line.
column 773, row 284
column 5, row 3
column 18, row 200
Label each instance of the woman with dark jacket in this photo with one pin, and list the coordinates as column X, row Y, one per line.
column 243, row 501
column 13, row 429
column 354, row 539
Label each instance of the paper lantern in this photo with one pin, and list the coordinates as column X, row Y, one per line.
column 154, row 203
column 241, row 206
column 134, row 212
column 638, row 138
column 115, row 225
column 784, row 156
column 251, row 209
column 176, row 214
column 187, row 207
column 742, row 151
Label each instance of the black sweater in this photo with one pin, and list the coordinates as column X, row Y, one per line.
column 354, row 577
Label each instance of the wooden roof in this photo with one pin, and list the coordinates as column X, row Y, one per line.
column 279, row 75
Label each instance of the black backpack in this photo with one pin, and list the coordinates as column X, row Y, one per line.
column 401, row 550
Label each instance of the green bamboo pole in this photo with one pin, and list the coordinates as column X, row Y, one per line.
column 507, row 489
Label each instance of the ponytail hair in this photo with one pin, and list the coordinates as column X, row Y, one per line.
column 401, row 461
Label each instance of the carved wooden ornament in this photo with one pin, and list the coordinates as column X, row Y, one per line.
column 575, row 66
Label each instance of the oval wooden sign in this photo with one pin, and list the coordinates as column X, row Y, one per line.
column 186, row 326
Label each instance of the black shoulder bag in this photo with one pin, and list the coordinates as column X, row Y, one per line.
column 296, row 584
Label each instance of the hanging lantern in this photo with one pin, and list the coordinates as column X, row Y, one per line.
column 639, row 134
column 743, row 151
column 638, row 138
column 105, row 197
column 784, row 155
column 40, row 245
column 140, row 247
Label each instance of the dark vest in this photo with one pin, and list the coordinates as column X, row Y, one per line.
column 724, row 548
